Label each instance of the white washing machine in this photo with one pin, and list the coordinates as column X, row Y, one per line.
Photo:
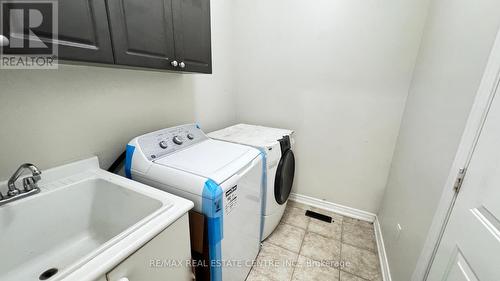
column 277, row 145
column 222, row 179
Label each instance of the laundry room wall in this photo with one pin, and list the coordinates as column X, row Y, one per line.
column 51, row 117
column 337, row 72
column 456, row 44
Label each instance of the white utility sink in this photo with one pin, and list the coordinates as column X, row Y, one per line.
column 82, row 223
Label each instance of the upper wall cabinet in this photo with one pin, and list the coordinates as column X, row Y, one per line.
column 192, row 35
column 160, row 34
column 83, row 31
column 165, row 34
column 143, row 33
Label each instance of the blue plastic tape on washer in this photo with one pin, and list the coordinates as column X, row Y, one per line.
column 263, row 188
column 129, row 152
column 212, row 208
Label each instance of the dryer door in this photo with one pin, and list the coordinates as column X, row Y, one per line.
column 284, row 177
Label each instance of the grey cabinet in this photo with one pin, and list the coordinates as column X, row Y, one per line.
column 164, row 34
column 161, row 34
column 83, row 31
column 192, row 34
column 142, row 32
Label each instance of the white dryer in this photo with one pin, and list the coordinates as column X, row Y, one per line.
column 222, row 179
column 277, row 145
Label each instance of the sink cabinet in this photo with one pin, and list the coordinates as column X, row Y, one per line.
column 114, row 229
column 150, row 262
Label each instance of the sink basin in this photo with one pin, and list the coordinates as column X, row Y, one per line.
column 73, row 221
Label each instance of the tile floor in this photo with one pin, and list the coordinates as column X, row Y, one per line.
column 303, row 248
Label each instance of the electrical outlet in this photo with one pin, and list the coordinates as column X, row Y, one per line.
column 398, row 231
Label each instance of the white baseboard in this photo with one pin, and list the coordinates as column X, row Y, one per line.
column 382, row 255
column 340, row 209
column 353, row 213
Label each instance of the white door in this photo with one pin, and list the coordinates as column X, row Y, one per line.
column 470, row 248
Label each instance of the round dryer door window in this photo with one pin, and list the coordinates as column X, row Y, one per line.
column 284, row 177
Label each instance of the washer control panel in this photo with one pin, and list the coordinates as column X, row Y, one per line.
column 163, row 142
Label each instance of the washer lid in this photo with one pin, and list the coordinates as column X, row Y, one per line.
column 217, row 160
column 253, row 135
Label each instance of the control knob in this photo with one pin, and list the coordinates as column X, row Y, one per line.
column 177, row 140
column 190, row 136
column 163, row 144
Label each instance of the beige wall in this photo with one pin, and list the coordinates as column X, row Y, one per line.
column 456, row 43
column 53, row 117
column 337, row 72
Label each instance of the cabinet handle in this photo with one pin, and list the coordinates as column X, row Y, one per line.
column 174, row 63
column 182, row 64
column 123, row 279
column 4, row 41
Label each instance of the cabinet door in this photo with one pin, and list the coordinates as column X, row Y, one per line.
column 142, row 32
column 166, row 257
column 83, row 31
column 192, row 35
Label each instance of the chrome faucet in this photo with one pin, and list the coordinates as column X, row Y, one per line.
column 30, row 185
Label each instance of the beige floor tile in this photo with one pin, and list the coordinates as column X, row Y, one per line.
column 296, row 217
column 359, row 236
column 273, row 263
column 287, row 236
column 254, row 275
column 358, row 222
column 294, row 204
column 310, row 270
column 320, row 248
column 331, row 230
column 344, row 276
column 361, row 262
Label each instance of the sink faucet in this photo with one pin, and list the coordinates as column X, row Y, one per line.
column 30, row 185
